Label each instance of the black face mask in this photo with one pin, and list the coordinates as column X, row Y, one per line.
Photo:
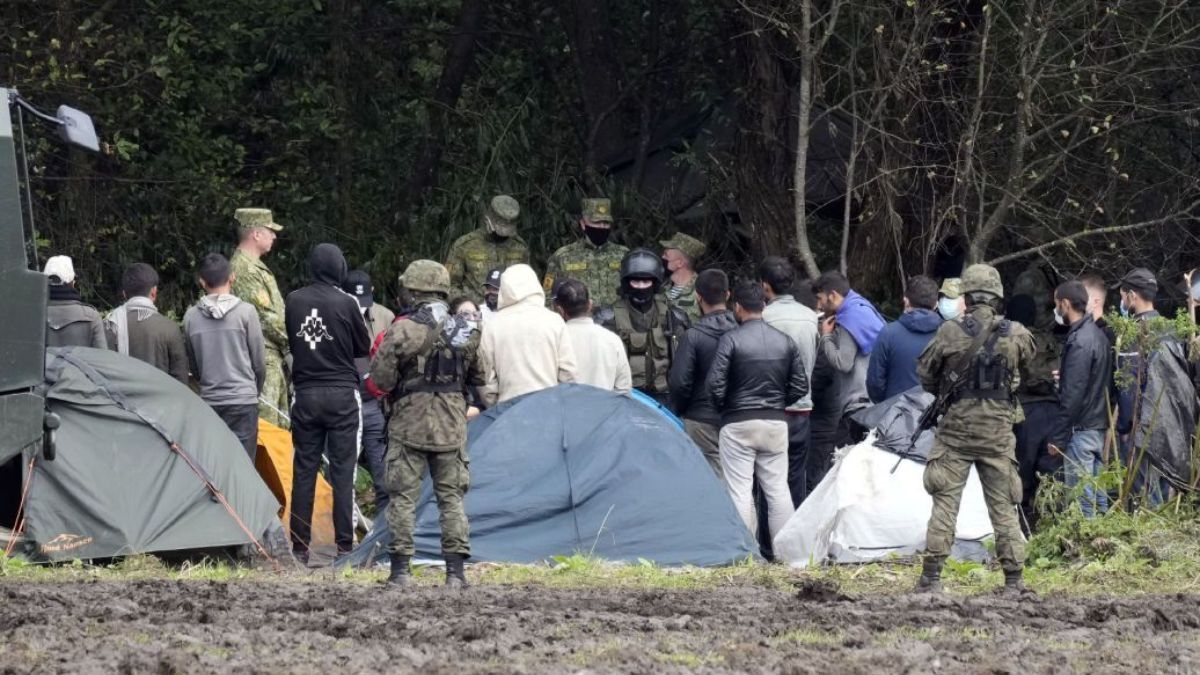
column 492, row 300
column 497, row 238
column 641, row 297
column 597, row 235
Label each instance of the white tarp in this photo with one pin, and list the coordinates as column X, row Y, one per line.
column 863, row 511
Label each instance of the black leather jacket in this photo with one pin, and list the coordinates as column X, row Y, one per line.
column 755, row 373
column 693, row 358
column 1084, row 378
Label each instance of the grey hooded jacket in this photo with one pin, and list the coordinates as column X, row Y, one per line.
column 226, row 350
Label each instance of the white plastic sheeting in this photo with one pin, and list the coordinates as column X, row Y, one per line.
column 863, row 511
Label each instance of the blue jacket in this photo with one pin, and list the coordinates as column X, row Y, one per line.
column 893, row 367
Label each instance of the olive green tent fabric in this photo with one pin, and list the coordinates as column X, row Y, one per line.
column 136, row 456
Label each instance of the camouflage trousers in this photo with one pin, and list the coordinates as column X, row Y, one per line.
column 273, row 404
column 946, row 476
column 451, row 476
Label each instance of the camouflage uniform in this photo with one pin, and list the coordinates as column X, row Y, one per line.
column 254, row 283
column 428, row 425
column 597, row 267
column 495, row 245
column 683, row 296
column 975, row 431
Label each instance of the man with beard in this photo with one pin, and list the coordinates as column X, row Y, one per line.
column 648, row 325
column 491, row 295
column 594, row 260
column 495, row 244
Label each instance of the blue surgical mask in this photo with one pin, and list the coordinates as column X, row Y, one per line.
column 1124, row 310
column 948, row 308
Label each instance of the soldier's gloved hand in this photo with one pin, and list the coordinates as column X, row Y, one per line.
column 287, row 366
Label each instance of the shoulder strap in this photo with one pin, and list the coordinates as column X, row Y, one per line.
column 964, row 358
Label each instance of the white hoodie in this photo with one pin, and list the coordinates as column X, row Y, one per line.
column 525, row 346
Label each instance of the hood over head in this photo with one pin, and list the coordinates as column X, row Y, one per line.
column 327, row 265
column 217, row 306
column 921, row 320
column 519, row 284
column 716, row 324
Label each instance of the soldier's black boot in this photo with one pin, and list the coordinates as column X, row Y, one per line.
column 1013, row 582
column 931, row 577
column 455, row 576
column 401, row 574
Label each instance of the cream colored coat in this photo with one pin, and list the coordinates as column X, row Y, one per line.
column 525, row 346
column 600, row 356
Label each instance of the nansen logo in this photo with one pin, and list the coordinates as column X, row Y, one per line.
column 65, row 542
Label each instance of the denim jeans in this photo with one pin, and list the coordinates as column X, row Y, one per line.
column 1083, row 463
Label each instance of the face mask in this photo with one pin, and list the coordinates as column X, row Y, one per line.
column 641, row 296
column 1123, row 309
column 667, row 265
column 492, row 300
column 948, row 308
column 597, row 235
column 1058, row 318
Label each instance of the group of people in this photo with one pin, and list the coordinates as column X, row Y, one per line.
column 766, row 374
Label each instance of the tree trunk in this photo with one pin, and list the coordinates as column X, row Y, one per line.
column 460, row 55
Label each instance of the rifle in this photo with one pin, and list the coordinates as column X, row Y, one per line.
column 954, row 377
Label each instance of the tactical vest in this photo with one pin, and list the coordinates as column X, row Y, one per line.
column 647, row 350
column 1038, row 381
column 441, row 365
column 990, row 376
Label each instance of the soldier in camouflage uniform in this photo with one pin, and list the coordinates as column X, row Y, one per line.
column 648, row 325
column 495, row 244
column 427, row 361
column 680, row 253
column 254, row 283
column 594, row 260
column 977, row 428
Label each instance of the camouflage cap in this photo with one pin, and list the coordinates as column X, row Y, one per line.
column 248, row 219
column 951, row 288
column 597, row 210
column 690, row 246
column 426, row 275
column 981, row 278
column 502, row 214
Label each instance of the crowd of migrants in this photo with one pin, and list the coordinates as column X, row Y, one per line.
column 765, row 374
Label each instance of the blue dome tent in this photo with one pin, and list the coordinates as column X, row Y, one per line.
column 575, row 469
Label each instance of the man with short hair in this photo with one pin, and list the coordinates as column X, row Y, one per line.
column 140, row 331
column 374, row 427
column 1084, row 375
column 756, row 373
column 849, row 329
column 254, row 283
column 599, row 355
column 1097, row 292
column 693, row 358
column 595, row 259
column 326, row 333
column 495, row 244
column 892, row 368
column 679, row 256
column 799, row 323
column 69, row 320
column 226, row 350
column 525, row 347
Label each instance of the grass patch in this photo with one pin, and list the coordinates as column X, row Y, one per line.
column 812, row 637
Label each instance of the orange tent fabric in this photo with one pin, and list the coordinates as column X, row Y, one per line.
column 274, row 464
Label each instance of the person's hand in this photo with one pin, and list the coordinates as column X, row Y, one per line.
column 472, row 412
column 827, row 324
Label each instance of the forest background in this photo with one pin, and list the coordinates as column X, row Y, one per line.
column 1052, row 135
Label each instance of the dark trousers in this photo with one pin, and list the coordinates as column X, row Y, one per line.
column 242, row 420
column 1032, row 436
column 324, row 420
column 374, row 451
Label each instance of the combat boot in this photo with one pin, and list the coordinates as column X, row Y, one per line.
column 400, row 574
column 931, row 577
column 455, row 576
column 1013, row 582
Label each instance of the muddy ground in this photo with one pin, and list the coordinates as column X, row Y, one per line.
column 342, row 627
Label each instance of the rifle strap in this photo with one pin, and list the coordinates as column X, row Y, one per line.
column 964, row 358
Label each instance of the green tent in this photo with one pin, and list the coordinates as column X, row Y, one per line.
column 142, row 465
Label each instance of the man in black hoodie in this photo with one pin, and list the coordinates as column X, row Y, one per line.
column 689, row 398
column 325, row 334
